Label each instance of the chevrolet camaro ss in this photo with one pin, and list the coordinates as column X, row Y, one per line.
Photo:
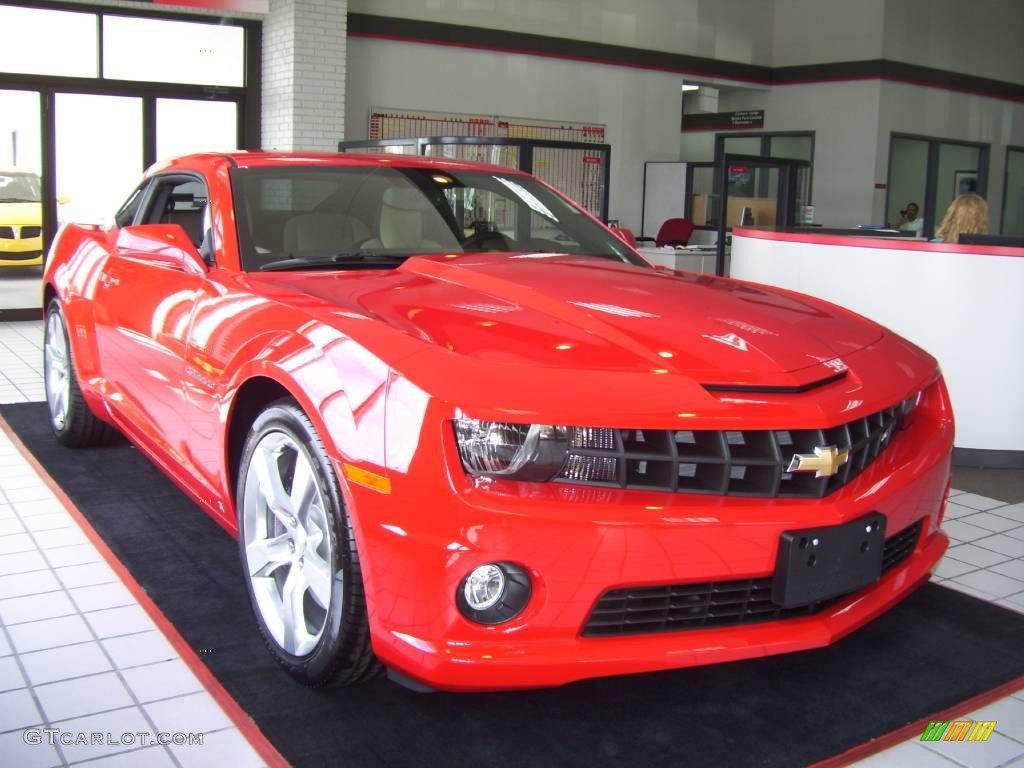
column 466, row 434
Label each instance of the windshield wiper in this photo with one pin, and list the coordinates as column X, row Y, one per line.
column 17, row 200
column 345, row 258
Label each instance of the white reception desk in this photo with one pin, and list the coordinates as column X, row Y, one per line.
column 964, row 304
column 696, row 259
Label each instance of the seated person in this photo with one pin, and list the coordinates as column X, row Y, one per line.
column 911, row 221
column 967, row 214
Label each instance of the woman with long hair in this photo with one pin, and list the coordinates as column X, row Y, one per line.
column 967, row 214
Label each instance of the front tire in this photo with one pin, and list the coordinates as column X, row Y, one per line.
column 74, row 425
column 298, row 552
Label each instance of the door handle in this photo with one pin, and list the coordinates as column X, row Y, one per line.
column 109, row 281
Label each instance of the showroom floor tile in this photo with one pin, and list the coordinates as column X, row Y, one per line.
column 77, row 652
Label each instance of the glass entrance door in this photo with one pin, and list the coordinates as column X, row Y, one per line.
column 21, row 208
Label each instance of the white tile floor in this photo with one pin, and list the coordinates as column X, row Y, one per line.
column 77, row 652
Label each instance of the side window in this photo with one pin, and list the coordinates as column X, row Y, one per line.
column 125, row 215
column 183, row 201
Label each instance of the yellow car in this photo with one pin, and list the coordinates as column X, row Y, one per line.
column 21, row 219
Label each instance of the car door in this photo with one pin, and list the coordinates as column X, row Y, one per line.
column 145, row 304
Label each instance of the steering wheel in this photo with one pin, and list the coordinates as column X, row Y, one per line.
column 485, row 237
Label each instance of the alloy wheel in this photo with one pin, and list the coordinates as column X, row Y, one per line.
column 56, row 370
column 287, row 543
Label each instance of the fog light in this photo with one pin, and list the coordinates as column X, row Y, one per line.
column 484, row 587
column 493, row 593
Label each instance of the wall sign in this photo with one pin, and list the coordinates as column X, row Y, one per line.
column 721, row 121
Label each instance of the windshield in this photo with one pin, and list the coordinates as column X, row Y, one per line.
column 19, row 187
column 373, row 216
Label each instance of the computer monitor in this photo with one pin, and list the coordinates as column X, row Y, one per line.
column 1006, row 241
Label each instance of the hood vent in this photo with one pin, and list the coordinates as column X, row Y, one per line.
column 775, row 390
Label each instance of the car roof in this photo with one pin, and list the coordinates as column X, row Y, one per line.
column 262, row 159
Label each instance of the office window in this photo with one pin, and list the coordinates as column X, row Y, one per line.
column 44, row 42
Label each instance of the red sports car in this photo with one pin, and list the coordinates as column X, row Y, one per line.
column 464, row 432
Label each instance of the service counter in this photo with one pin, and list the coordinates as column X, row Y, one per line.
column 962, row 303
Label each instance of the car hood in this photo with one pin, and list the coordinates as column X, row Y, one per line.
column 21, row 214
column 555, row 310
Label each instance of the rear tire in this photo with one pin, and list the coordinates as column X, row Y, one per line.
column 299, row 554
column 74, row 425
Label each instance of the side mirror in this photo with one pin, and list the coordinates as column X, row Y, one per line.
column 165, row 245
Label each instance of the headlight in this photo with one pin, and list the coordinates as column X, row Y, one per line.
column 516, row 451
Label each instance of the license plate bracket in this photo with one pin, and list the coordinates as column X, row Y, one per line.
column 815, row 564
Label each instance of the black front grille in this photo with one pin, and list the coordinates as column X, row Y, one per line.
column 29, row 232
column 899, row 546
column 6, row 233
column 676, row 607
column 727, row 462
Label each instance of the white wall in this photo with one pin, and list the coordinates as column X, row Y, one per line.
column 844, row 118
column 908, row 179
column 817, row 31
column 984, row 38
column 640, row 108
column 947, row 115
column 733, row 30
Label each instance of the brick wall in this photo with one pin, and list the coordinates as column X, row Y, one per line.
column 304, row 74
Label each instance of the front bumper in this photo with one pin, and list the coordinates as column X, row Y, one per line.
column 21, row 252
column 579, row 542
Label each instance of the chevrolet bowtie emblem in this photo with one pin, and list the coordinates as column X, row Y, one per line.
column 824, row 462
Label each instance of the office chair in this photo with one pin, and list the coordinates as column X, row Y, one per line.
column 672, row 232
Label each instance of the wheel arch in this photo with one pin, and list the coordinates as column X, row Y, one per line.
column 251, row 398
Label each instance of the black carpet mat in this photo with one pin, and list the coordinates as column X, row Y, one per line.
column 936, row 649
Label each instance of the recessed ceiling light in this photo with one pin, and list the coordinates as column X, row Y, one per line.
column 690, row 87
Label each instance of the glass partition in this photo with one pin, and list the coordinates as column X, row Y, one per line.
column 577, row 173
column 507, row 157
column 1013, row 193
column 703, row 200
column 578, row 170
column 908, row 180
column 957, row 175
column 930, row 173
